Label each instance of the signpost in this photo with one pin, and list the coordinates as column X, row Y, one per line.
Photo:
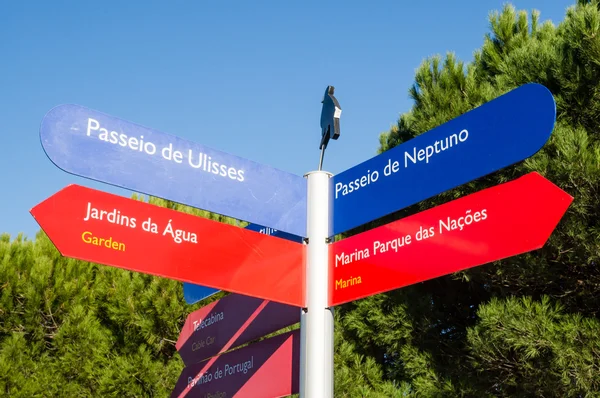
column 99, row 227
column 193, row 293
column 495, row 135
column 230, row 322
column 489, row 225
column 266, row 369
column 101, row 147
column 270, row 261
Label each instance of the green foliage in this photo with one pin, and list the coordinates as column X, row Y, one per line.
column 358, row 375
column 523, row 347
column 71, row 328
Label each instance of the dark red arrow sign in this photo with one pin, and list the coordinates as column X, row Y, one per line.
column 267, row 369
column 99, row 227
column 492, row 224
column 229, row 322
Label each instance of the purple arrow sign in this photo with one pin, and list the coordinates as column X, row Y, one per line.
column 229, row 322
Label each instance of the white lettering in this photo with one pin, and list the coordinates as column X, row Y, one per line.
column 89, row 126
column 357, row 255
column 451, row 224
column 196, row 160
column 113, row 216
column 207, row 321
column 393, row 244
column 413, row 156
column 243, row 367
column 361, row 182
column 180, row 235
column 437, row 147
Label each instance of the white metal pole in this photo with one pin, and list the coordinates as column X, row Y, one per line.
column 316, row 352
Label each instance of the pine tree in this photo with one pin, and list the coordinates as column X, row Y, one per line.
column 72, row 328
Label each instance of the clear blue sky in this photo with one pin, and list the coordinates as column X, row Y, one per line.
column 245, row 77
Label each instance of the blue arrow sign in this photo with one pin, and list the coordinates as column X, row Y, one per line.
column 490, row 137
column 274, row 232
column 100, row 147
column 193, row 293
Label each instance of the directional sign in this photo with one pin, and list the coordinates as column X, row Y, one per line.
column 230, row 322
column 267, row 369
column 492, row 224
column 94, row 145
column 193, row 293
column 96, row 226
column 497, row 134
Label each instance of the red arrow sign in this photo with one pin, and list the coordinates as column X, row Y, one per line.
column 267, row 369
column 492, row 224
column 99, row 227
column 230, row 322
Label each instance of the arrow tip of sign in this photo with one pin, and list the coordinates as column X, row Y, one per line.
column 39, row 210
column 536, row 176
column 545, row 104
column 555, row 204
column 64, row 189
column 52, row 111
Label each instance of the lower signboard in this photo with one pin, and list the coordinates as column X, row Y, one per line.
column 267, row 369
